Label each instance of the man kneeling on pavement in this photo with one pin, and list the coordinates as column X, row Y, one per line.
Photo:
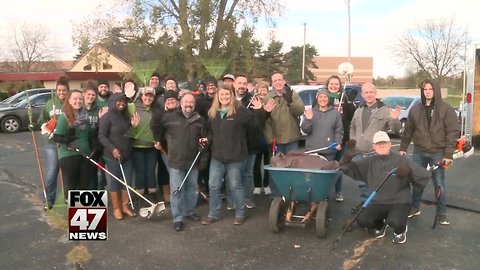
column 391, row 205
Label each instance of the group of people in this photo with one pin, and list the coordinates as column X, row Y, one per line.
column 175, row 143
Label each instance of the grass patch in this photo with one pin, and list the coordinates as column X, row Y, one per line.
column 453, row 101
column 79, row 255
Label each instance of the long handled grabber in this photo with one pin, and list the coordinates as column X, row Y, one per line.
column 331, row 146
column 368, row 201
column 37, row 156
column 125, row 181
column 188, row 172
column 438, row 191
column 145, row 212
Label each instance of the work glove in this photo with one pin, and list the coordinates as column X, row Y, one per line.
column 287, row 95
column 350, row 151
column 403, row 171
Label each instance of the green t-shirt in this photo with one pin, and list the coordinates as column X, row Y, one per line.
column 82, row 142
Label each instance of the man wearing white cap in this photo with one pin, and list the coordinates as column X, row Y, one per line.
column 391, row 204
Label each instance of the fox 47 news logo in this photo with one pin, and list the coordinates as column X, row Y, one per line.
column 87, row 215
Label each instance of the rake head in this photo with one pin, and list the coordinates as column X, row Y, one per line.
column 154, row 209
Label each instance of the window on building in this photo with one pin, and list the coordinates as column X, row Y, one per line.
column 107, row 66
column 88, row 67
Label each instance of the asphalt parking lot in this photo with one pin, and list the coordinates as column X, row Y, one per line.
column 33, row 239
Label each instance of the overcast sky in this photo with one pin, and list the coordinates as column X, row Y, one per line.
column 374, row 23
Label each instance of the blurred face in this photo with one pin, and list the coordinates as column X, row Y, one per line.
column 428, row 91
column 241, row 86
column 121, row 104
column 171, row 104
column 89, row 96
column 262, row 91
column 147, row 99
column 369, row 93
column 187, row 103
column 382, row 148
column 224, row 97
column 333, row 85
column 322, row 101
column 171, row 85
column 61, row 92
column 103, row 90
column 278, row 82
column 228, row 83
column 211, row 89
column 154, row 82
column 76, row 100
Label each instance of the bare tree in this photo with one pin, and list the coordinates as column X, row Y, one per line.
column 434, row 47
column 27, row 45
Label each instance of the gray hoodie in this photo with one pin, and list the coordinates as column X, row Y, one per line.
column 323, row 129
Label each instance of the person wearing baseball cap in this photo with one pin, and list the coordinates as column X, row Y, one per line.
column 391, row 204
column 228, row 80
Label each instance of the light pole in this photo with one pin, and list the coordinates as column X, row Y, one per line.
column 349, row 30
column 303, row 55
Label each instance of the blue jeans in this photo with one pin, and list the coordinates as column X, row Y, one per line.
column 234, row 178
column 338, row 183
column 183, row 202
column 284, row 149
column 51, row 174
column 144, row 163
column 438, row 178
column 247, row 179
column 112, row 165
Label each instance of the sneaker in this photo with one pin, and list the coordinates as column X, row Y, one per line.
column 249, row 204
column 442, row 219
column 414, row 212
column 339, row 197
column 230, row 206
column 381, row 233
column 257, row 191
column 267, row 190
column 400, row 238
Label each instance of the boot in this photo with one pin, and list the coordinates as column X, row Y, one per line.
column 166, row 193
column 116, row 203
column 125, row 208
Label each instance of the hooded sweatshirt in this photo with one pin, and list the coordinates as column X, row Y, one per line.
column 113, row 127
column 323, row 129
column 436, row 132
column 52, row 109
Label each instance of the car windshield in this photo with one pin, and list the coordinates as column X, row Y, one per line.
column 392, row 102
column 13, row 98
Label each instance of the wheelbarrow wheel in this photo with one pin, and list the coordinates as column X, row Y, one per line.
column 276, row 217
column 321, row 219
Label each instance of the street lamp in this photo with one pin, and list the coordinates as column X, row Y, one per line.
column 347, row 2
column 303, row 58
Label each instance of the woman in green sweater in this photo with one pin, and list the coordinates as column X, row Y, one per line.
column 73, row 132
column 144, row 153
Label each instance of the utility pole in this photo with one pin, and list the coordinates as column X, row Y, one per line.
column 303, row 58
column 349, row 32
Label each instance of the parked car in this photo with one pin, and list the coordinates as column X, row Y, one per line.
column 15, row 117
column 23, row 95
column 405, row 102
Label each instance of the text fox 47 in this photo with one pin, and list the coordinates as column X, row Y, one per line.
column 87, row 215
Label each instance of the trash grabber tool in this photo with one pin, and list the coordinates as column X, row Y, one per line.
column 438, row 191
column 145, row 212
column 125, row 181
column 37, row 156
column 188, row 172
column 364, row 205
column 331, row 146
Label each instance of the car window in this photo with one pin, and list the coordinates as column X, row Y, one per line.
column 392, row 102
column 308, row 97
column 40, row 101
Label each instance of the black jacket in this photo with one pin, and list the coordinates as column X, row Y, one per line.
column 182, row 136
column 203, row 104
column 228, row 136
column 255, row 131
column 373, row 169
column 113, row 127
